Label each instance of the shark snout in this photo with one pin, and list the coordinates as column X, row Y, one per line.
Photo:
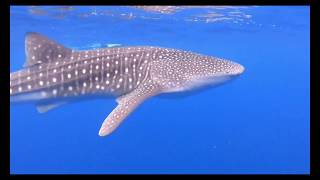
column 236, row 69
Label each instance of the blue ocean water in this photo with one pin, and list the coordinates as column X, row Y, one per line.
column 258, row 123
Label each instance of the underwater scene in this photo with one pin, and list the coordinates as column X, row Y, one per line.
column 160, row 90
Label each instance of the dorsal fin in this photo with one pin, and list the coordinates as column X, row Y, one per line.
column 39, row 49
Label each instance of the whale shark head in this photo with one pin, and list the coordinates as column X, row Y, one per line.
column 209, row 71
column 181, row 70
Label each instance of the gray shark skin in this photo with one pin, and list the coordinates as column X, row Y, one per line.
column 131, row 74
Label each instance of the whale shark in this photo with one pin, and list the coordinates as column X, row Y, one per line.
column 54, row 75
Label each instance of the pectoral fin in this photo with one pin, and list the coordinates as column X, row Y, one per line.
column 127, row 104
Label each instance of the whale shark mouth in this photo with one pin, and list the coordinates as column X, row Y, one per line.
column 208, row 81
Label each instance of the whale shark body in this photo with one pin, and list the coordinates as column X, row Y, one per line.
column 53, row 74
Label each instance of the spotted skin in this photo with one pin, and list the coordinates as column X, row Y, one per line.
column 132, row 74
